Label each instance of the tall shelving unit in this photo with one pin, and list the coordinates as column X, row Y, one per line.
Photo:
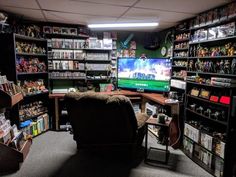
column 25, row 62
column 71, row 60
column 180, row 57
column 210, row 126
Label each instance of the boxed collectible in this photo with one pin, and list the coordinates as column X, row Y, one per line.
column 209, row 17
column 215, row 16
column 202, row 34
column 206, row 141
column 223, row 14
column 56, row 30
column 72, row 31
column 47, row 29
column 232, row 10
column 202, row 19
column 212, row 33
column 226, row 30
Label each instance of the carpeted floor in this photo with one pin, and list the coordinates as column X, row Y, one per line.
column 54, row 154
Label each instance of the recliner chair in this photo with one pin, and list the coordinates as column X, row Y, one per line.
column 104, row 121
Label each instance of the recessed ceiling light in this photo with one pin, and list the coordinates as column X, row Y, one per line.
column 122, row 25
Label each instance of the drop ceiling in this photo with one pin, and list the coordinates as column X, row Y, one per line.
column 166, row 12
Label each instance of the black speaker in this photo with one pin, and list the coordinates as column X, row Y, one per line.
column 233, row 112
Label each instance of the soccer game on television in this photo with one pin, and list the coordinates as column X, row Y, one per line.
column 152, row 74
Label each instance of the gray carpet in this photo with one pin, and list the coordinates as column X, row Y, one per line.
column 54, row 154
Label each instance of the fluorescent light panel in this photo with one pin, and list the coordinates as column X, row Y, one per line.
column 122, row 25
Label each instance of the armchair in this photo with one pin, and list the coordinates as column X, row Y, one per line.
column 100, row 120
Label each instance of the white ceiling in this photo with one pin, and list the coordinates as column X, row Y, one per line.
column 166, row 12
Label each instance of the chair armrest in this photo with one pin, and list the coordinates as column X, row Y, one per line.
column 141, row 119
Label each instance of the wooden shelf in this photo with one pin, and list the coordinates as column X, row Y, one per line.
column 8, row 100
column 178, row 78
column 97, row 60
column 173, row 66
column 207, row 85
column 214, row 57
column 214, row 74
column 207, row 101
column 31, row 54
column 205, row 117
column 66, row 59
column 55, row 48
column 33, row 117
column 97, row 49
column 182, row 58
column 19, row 36
column 36, row 94
column 89, row 79
column 67, row 78
column 180, row 49
column 213, row 40
column 98, row 70
column 36, row 73
column 11, row 158
column 66, row 35
column 181, row 40
column 75, row 70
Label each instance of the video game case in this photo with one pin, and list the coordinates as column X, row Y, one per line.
column 222, row 84
column 221, row 79
column 206, row 141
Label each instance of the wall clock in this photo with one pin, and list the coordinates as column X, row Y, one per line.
column 163, row 51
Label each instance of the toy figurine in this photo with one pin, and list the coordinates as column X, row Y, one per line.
column 221, row 67
column 190, row 65
column 227, row 67
column 231, row 51
column 233, row 66
column 211, row 66
column 214, row 52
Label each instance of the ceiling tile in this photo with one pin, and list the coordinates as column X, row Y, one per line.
column 187, row 6
column 82, row 8
column 77, row 18
column 19, row 3
column 156, row 15
column 111, row 2
column 26, row 13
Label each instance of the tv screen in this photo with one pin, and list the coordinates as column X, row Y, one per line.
column 152, row 74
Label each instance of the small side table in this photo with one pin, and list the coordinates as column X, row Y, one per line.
column 153, row 121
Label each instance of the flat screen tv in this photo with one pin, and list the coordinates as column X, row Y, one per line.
column 152, row 74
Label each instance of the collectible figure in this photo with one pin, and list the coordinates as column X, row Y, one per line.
column 227, row 67
column 209, row 17
column 215, row 16
column 207, row 112
column 217, row 67
column 199, row 109
column 232, row 10
column 190, row 65
column 233, row 66
column 221, row 67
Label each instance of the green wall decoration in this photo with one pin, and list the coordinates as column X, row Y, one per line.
column 164, row 39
